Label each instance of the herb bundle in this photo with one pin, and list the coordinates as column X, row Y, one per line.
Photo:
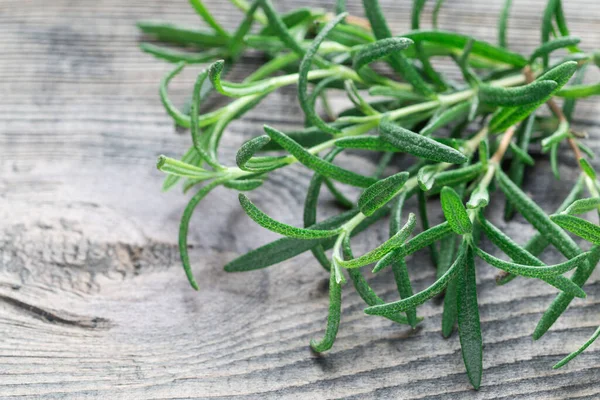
column 500, row 95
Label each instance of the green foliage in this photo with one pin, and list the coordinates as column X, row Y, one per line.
column 450, row 115
column 587, row 168
column 509, row 116
column 322, row 53
column 381, row 192
column 286, row 230
column 397, row 61
column 455, row 211
column 517, row 96
column 469, row 329
column 380, row 49
column 333, row 318
column 457, row 41
column 503, row 23
column 580, row 350
column 317, row 164
column 417, row 145
column 583, row 206
column 423, row 296
column 386, row 247
column 305, row 65
column 548, row 47
column 533, row 272
column 578, row 226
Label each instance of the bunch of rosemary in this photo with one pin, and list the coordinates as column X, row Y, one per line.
column 500, row 96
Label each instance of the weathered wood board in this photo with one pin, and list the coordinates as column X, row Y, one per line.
column 93, row 301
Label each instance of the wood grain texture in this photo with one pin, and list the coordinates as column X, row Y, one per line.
column 93, row 301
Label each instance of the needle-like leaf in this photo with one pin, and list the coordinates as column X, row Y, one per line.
column 418, row 145
column 207, row 17
column 182, row 169
column 184, row 226
column 397, row 61
column 524, row 256
column 381, row 192
column 452, row 114
column 365, row 142
column 517, row 96
column 562, row 301
column 286, row 248
column 286, row 230
column 310, row 209
column 375, row 51
column 517, row 167
column 510, row 116
column 399, row 267
column 578, row 226
column 456, row 177
column 391, row 244
column 503, row 23
column 580, row 350
column 536, row 216
column 418, row 242
column 579, row 91
column 558, row 43
column 175, row 56
column 521, row 155
column 318, row 164
column 480, row 48
column 469, row 329
column 533, row 272
column 305, row 65
column 422, row 297
column 245, row 160
column 244, row 184
column 583, row 206
column 333, row 317
column 171, row 33
column 455, row 212
column 587, row 168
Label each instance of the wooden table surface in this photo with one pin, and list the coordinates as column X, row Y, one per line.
column 93, row 300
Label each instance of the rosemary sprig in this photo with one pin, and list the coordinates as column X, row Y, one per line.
column 333, row 52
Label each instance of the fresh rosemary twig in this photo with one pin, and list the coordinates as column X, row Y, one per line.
column 335, row 51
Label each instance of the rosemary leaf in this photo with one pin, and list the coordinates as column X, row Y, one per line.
column 418, row 242
column 533, row 272
column 469, row 329
column 578, row 226
column 184, row 226
column 317, row 164
column 536, row 216
column 418, row 145
column 381, row 192
column 451, row 114
column 562, row 301
column 397, row 61
column 287, row 230
column 517, row 96
column 305, row 65
column 548, row 47
column 380, row 49
column 503, row 23
column 423, row 296
column 365, row 291
column 391, row 244
column 455, row 212
column 333, row 317
column 583, row 206
column 580, row 350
